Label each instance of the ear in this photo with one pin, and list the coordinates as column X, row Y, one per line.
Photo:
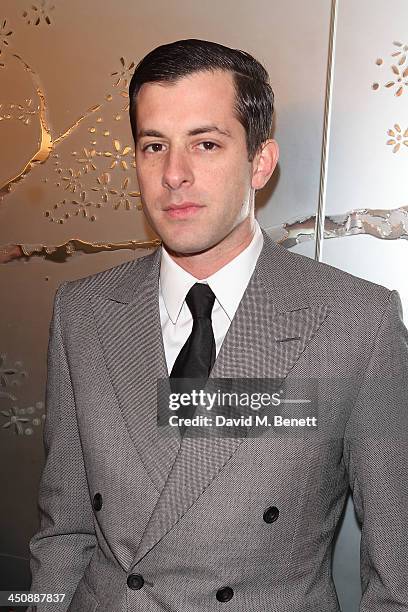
column 264, row 163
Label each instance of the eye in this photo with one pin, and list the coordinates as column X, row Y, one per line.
column 153, row 147
column 208, row 145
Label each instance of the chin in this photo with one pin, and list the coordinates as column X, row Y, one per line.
column 187, row 247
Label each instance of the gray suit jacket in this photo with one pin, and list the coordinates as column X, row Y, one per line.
column 121, row 499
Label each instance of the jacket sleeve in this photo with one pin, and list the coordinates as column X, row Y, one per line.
column 376, row 458
column 63, row 546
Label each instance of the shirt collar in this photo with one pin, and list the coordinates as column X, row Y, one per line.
column 228, row 283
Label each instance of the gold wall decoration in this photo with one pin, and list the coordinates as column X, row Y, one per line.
column 45, row 142
column 17, row 111
column 5, row 34
column 119, row 155
column 399, row 80
column 39, row 13
column 82, row 171
column 398, row 138
column 402, row 52
column 124, row 74
column 61, row 252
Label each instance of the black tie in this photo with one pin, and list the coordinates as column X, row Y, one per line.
column 197, row 356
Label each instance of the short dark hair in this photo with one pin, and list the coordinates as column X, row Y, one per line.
column 254, row 95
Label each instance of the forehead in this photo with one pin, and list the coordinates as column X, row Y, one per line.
column 201, row 96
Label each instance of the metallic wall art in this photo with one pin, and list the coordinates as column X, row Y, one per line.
column 87, row 174
column 385, row 224
column 398, row 138
column 89, row 177
column 399, row 70
column 5, row 33
column 39, row 13
column 17, row 420
column 17, row 111
column 73, row 175
column 26, row 113
column 369, row 101
column 60, row 252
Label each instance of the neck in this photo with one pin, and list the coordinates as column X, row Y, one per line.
column 204, row 264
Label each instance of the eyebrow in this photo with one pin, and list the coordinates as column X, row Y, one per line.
column 205, row 129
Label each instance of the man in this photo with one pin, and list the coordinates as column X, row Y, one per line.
column 134, row 518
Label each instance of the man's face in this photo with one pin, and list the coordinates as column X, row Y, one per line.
column 192, row 162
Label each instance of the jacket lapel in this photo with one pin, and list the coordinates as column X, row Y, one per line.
column 271, row 328
column 128, row 323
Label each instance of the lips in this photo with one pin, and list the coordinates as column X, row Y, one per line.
column 183, row 210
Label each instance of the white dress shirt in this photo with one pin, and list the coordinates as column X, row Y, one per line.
column 228, row 285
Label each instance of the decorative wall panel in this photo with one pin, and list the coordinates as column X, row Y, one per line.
column 367, row 165
column 69, row 202
column 366, row 226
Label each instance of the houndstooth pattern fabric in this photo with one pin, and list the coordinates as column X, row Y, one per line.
column 187, row 515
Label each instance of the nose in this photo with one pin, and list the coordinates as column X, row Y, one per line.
column 177, row 171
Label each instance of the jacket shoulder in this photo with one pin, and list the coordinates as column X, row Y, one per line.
column 319, row 277
column 107, row 280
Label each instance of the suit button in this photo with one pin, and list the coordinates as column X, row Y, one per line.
column 135, row 581
column 271, row 514
column 224, row 594
column 97, row 502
